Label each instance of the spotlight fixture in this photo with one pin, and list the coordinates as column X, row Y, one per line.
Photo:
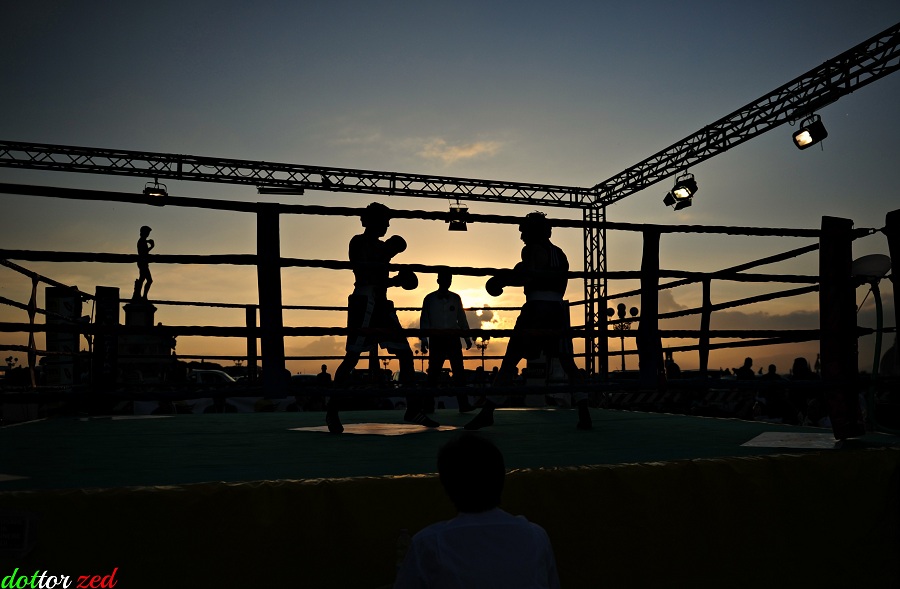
column 682, row 193
column 458, row 214
column 155, row 190
column 811, row 131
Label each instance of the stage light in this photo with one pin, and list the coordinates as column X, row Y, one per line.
column 682, row 193
column 156, row 191
column 811, row 132
column 458, row 214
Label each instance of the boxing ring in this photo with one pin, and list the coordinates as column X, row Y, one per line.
column 268, row 498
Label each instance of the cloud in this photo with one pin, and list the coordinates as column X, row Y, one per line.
column 323, row 346
column 667, row 302
column 364, row 138
column 439, row 149
column 476, row 321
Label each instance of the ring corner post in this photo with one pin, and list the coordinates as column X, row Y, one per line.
column 837, row 324
column 648, row 340
column 268, row 267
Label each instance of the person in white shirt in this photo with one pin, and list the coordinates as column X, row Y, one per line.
column 443, row 309
column 483, row 546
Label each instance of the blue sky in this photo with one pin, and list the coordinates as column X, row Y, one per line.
column 557, row 93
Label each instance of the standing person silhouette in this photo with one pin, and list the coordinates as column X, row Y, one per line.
column 483, row 546
column 542, row 273
column 369, row 308
column 323, row 379
column 443, row 309
column 144, row 245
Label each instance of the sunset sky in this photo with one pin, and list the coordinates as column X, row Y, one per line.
column 567, row 93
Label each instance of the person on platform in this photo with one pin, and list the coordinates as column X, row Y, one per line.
column 443, row 309
column 369, row 308
column 144, row 245
column 543, row 274
column 483, row 546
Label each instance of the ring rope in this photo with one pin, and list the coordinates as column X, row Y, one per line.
column 225, row 331
column 255, row 207
column 251, row 260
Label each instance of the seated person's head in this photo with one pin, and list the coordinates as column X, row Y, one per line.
column 471, row 470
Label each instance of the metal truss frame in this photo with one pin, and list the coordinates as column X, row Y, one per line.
column 857, row 67
column 596, row 352
column 65, row 158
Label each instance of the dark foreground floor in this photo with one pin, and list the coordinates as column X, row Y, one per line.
column 269, row 500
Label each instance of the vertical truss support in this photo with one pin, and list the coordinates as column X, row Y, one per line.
column 595, row 341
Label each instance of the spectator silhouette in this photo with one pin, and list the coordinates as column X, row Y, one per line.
column 323, row 379
column 369, row 308
column 673, row 370
column 800, row 370
column 144, row 245
column 443, row 309
column 542, row 273
column 483, row 546
column 807, row 404
column 774, row 396
column 745, row 372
